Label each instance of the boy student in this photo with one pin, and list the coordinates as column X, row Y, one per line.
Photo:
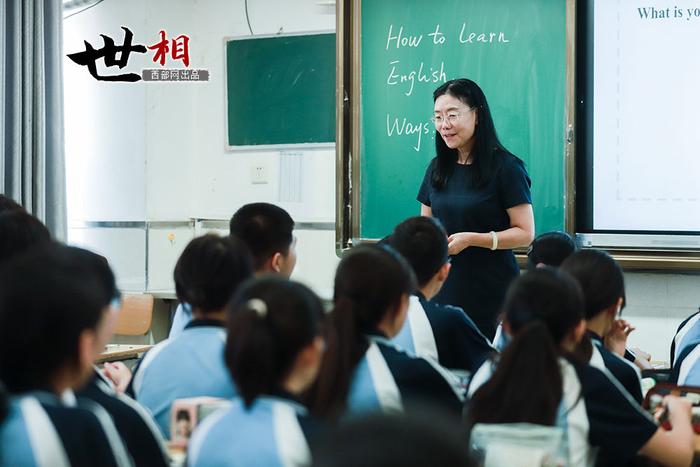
column 548, row 249
column 267, row 231
column 207, row 274
column 444, row 333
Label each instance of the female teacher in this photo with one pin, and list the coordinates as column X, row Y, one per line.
column 481, row 194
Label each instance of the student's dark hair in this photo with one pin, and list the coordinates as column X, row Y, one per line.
column 182, row 415
column 19, row 232
column 542, row 307
column 9, row 204
column 487, row 147
column 414, row 439
column 369, row 283
column 423, row 242
column 550, row 249
column 4, row 403
column 265, row 228
column 209, row 271
column 48, row 297
column 270, row 321
column 600, row 277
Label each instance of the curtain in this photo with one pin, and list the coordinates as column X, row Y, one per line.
column 32, row 167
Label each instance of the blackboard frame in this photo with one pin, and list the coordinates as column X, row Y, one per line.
column 348, row 148
column 265, row 147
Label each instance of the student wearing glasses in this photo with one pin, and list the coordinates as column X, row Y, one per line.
column 481, row 194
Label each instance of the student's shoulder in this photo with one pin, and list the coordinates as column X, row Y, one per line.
column 686, row 321
column 87, row 433
column 445, row 314
column 404, row 365
column 129, row 416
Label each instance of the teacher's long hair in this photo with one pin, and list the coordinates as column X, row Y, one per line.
column 486, row 142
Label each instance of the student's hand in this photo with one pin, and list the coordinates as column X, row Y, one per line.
column 458, row 242
column 679, row 409
column 642, row 360
column 119, row 374
column 616, row 340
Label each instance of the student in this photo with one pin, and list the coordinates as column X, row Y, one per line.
column 52, row 322
column 548, row 249
column 362, row 369
column 273, row 351
column 134, row 424
column 536, row 380
column 19, row 232
column 268, row 231
column 192, row 364
column 443, row 333
column 603, row 286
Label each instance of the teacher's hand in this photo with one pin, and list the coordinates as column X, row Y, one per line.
column 458, row 242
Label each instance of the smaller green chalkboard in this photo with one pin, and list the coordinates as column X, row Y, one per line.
column 280, row 90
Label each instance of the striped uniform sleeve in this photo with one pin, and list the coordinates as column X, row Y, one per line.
column 618, row 425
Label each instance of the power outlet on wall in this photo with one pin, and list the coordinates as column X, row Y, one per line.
column 259, row 174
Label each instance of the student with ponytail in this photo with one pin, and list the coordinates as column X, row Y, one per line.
column 537, row 380
column 603, row 286
column 362, row 370
column 273, row 352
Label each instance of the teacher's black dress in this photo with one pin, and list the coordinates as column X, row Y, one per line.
column 479, row 276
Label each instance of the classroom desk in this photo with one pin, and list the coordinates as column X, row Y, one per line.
column 117, row 352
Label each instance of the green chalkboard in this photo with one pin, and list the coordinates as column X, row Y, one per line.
column 514, row 49
column 280, row 90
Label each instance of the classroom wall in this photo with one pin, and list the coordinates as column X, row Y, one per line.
column 158, row 154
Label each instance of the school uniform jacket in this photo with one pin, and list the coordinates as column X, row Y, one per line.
column 388, row 379
column 182, row 316
column 601, row 421
column 190, row 365
column 138, row 431
column 40, row 430
column 445, row 334
column 687, row 333
column 686, row 370
column 272, row 432
column 625, row 373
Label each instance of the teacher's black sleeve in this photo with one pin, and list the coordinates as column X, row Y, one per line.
column 514, row 182
column 426, row 186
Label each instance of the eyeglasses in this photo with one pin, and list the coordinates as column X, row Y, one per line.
column 452, row 116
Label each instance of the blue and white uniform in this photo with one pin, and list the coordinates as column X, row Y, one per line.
column 686, row 370
column 182, row 317
column 387, row 379
column 190, row 365
column 445, row 334
column 603, row 425
column 138, row 431
column 41, row 430
column 687, row 333
column 272, row 432
column 626, row 373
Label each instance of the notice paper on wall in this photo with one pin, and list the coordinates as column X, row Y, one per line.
column 646, row 140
